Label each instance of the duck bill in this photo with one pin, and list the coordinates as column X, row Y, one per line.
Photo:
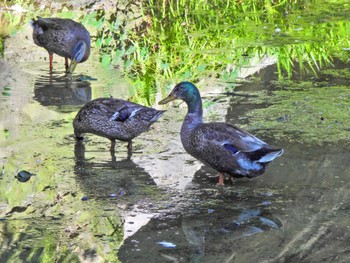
column 72, row 66
column 170, row 97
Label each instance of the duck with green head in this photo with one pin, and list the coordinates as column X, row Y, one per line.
column 63, row 37
column 225, row 147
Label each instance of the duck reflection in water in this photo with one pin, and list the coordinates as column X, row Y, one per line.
column 198, row 236
column 109, row 179
column 55, row 90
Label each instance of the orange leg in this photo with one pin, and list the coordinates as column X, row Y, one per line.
column 50, row 59
column 221, row 179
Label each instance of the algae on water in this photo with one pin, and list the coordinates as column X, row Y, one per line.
column 305, row 113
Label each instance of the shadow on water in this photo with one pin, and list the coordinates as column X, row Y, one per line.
column 203, row 223
column 109, row 178
column 52, row 89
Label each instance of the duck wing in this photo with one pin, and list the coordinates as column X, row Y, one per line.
column 222, row 138
column 122, row 111
column 114, row 109
column 229, row 137
column 56, row 35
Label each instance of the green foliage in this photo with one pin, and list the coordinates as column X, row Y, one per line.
column 181, row 39
column 194, row 39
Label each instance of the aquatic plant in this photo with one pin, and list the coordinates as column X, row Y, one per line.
column 195, row 39
column 304, row 111
column 155, row 42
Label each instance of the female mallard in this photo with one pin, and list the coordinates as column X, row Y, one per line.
column 224, row 147
column 114, row 119
column 63, row 37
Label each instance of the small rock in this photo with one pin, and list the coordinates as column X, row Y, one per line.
column 23, row 176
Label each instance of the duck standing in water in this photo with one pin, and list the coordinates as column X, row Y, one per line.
column 114, row 119
column 224, row 147
column 63, row 37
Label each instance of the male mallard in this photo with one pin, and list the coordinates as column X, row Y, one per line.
column 63, row 37
column 224, row 147
column 114, row 119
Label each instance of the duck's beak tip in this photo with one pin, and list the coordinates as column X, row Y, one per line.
column 72, row 66
column 170, row 97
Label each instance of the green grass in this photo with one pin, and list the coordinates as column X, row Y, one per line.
column 181, row 39
column 190, row 40
column 196, row 39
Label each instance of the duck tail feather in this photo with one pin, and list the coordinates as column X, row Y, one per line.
column 157, row 116
column 269, row 156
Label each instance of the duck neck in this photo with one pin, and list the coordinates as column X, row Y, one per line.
column 194, row 115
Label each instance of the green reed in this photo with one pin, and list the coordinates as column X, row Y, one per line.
column 180, row 39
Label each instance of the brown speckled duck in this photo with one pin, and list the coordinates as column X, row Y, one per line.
column 63, row 37
column 224, row 147
column 114, row 119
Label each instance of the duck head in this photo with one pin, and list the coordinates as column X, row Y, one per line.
column 80, row 53
column 185, row 91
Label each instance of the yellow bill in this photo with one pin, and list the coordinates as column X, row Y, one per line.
column 170, row 97
column 72, row 66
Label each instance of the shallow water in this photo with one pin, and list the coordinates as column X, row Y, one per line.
column 84, row 205
column 160, row 206
column 297, row 212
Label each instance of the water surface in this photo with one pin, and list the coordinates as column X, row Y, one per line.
column 84, row 205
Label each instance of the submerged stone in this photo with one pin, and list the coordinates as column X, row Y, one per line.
column 23, row 176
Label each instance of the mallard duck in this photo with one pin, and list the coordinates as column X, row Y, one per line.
column 224, row 147
column 114, row 119
column 63, row 37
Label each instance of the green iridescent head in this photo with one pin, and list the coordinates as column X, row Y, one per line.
column 185, row 91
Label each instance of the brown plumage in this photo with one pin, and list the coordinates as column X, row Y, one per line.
column 224, row 147
column 63, row 37
column 114, row 119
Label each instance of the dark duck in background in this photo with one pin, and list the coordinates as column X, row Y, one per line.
column 114, row 119
column 63, row 37
column 224, row 147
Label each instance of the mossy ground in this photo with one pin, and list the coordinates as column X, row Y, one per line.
column 312, row 110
